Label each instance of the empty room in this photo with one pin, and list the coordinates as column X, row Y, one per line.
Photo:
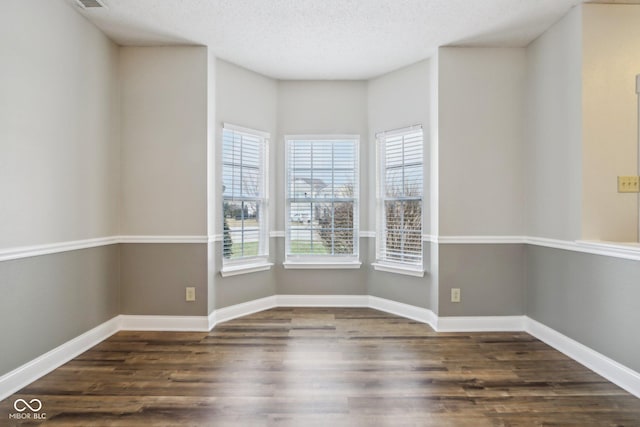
column 319, row 212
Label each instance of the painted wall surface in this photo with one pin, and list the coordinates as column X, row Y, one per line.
column 59, row 168
column 324, row 108
column 51, row 299
column 164, row 140
column 481, row 118
column 490, row 277
column 396, row 100
column 153, row 278
column 590, row 298
column 59, row 151
column 241, row 288
column 250, row 100
column 553, row 149
column 322, row 281
column 410, row 290
column 611, row 42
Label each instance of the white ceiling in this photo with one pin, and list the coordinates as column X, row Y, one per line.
column 326, row 39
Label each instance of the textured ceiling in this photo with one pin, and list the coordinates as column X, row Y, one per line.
column 326, row 39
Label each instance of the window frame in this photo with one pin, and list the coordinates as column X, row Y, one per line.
column 302, row 261
column 384, row 263
column 259, row 262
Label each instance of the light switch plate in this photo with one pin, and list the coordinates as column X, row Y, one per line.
column 628, row 184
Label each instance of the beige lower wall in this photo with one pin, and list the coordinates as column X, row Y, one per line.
column 154, row 276
column 48, row 300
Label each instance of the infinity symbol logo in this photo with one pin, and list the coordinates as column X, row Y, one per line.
column 21, row 405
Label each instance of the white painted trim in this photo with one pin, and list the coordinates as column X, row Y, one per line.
column 602, row 365
column 163, row 239
column 322, row 301
column 52, row 248
column 480, row 323
column 498, row 240
column 163, row 323
column 243, row 309
column 42, row 365
column 613, row 371
column 248, row 131
column 412, row 312
column 297, row 265
column 234, row 270
column 398, row 269
column 322, row 137
column 612, row 249
column 629, row 251
column 551, row 243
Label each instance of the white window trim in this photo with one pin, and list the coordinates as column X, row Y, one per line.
column 411, row 269
column 258, row 263
column 244, row 268
column 321, row 261
column 300, row 265
column 406, row 269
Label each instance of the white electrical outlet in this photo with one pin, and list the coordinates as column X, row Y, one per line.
column 190, row 294
column 455, row 294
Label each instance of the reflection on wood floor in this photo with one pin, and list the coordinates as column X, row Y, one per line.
column 326, row 367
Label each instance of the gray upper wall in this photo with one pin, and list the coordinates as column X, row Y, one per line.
column 481, row 119
column 164, row 140
column 324, row 108
column 395, row 100
column 59, row 126
column 553, row 149
column 248, row 99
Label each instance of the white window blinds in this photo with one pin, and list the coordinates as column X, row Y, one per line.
column 400, row 196
column 244, row 160
column 322, row 197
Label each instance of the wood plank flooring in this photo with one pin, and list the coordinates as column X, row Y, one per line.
column 325, row 367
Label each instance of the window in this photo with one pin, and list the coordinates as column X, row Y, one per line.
column 322, row 201
column 400, row 201
column 244, row 194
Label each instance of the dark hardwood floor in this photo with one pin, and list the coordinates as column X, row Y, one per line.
column 325, row 367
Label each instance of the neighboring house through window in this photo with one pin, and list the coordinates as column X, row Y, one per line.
column 244, row 178
column 322, row 201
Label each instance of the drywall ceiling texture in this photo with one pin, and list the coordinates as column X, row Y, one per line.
column 327, row 39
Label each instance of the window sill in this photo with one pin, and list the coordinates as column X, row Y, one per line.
column 234, row 270
column 399, row 269
column 321, row 265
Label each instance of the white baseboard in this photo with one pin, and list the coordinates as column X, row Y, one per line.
column 322, row 300
column 164, row 323
column 239, row 310
column 42, row 365
column 480, row 324
column 412, row 312
column 613, row 371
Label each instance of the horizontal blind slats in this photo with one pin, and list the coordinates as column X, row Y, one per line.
column 401, row 180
